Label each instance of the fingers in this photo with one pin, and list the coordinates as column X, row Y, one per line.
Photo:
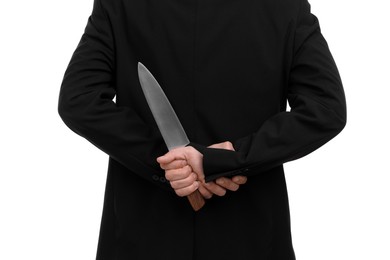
column 178, row 174
column 176, row 164
column 184, row 170
column 215, row 189
column 179, row 184
column 187, row 190
column 227, row 184
column 165, row 159
column 190, row 155
column 182, row 180
column 175, row 154
column 239, row 179
column 205, row 192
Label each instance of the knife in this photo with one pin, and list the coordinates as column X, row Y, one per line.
column 167, row 121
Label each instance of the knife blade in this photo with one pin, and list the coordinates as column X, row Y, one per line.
column 167, row 121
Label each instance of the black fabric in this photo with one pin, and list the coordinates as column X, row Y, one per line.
column 228, row 67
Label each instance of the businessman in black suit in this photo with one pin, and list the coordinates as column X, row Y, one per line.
column 228, row 68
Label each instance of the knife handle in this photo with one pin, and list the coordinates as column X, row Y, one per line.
column 196, row 200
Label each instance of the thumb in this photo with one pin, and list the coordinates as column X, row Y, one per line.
column 169, row 157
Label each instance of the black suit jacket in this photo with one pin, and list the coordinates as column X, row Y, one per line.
column 228, row 68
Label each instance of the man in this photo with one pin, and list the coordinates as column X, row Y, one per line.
column 228, row 67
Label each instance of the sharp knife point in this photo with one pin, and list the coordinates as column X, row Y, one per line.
column 141, row 67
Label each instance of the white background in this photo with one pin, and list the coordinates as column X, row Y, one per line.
column 339, row 195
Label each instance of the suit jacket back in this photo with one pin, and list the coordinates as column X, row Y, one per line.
column 228, row 68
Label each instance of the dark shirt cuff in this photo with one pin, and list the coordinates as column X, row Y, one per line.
column 219, row 162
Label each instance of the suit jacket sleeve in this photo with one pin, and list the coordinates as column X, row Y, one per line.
column 318, row 111
column 86, row 102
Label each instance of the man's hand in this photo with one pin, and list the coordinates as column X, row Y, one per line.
column 224, row 145
column 222, row 184
column 183, row 169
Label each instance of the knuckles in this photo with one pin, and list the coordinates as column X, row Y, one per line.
column 186, row 191
column 180, row 193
